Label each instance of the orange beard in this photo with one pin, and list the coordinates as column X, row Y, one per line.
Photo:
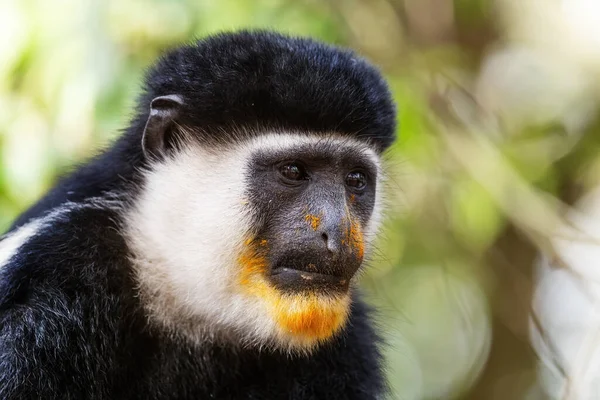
column 303, row 319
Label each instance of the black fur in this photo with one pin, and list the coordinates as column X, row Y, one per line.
column 71, row 326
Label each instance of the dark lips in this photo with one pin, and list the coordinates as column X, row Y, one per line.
column 296, row 280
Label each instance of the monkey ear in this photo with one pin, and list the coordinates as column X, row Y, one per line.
column 163, row 111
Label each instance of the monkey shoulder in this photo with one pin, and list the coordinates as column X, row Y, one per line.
column 61, row 304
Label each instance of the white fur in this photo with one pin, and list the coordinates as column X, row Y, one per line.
column 187, row 230
column 10, row 245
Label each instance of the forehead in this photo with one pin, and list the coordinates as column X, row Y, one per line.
column 323, row 147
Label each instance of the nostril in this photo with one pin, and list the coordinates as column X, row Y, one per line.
column 331, row 245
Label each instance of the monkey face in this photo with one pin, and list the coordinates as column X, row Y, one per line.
column 262, row 238
column 312, row 203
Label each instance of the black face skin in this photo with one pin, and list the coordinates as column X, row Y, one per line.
column 310, row 200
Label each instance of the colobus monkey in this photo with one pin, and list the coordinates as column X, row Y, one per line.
column 211, row 251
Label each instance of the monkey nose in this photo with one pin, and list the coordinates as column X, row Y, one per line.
column 333, row 243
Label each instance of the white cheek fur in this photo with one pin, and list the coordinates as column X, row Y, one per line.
column 187, row 231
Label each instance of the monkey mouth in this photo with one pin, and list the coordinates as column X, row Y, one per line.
column 294, row 280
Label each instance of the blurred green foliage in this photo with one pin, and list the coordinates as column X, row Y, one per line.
column 468, row 179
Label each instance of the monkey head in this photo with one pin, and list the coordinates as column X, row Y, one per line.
column 261, row 183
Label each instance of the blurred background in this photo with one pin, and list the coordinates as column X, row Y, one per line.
column 487, row 275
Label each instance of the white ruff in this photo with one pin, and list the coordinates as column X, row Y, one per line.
column 187, row 231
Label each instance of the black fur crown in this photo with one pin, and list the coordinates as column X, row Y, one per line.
column 268, row 80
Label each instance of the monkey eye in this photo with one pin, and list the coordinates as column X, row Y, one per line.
column 293, row 172
column 356, row 180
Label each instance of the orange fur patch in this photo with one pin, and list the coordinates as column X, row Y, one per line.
column 303, row 318
column 253, row 264
column 313, row 220
column 355, row 239
column 311, row 317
